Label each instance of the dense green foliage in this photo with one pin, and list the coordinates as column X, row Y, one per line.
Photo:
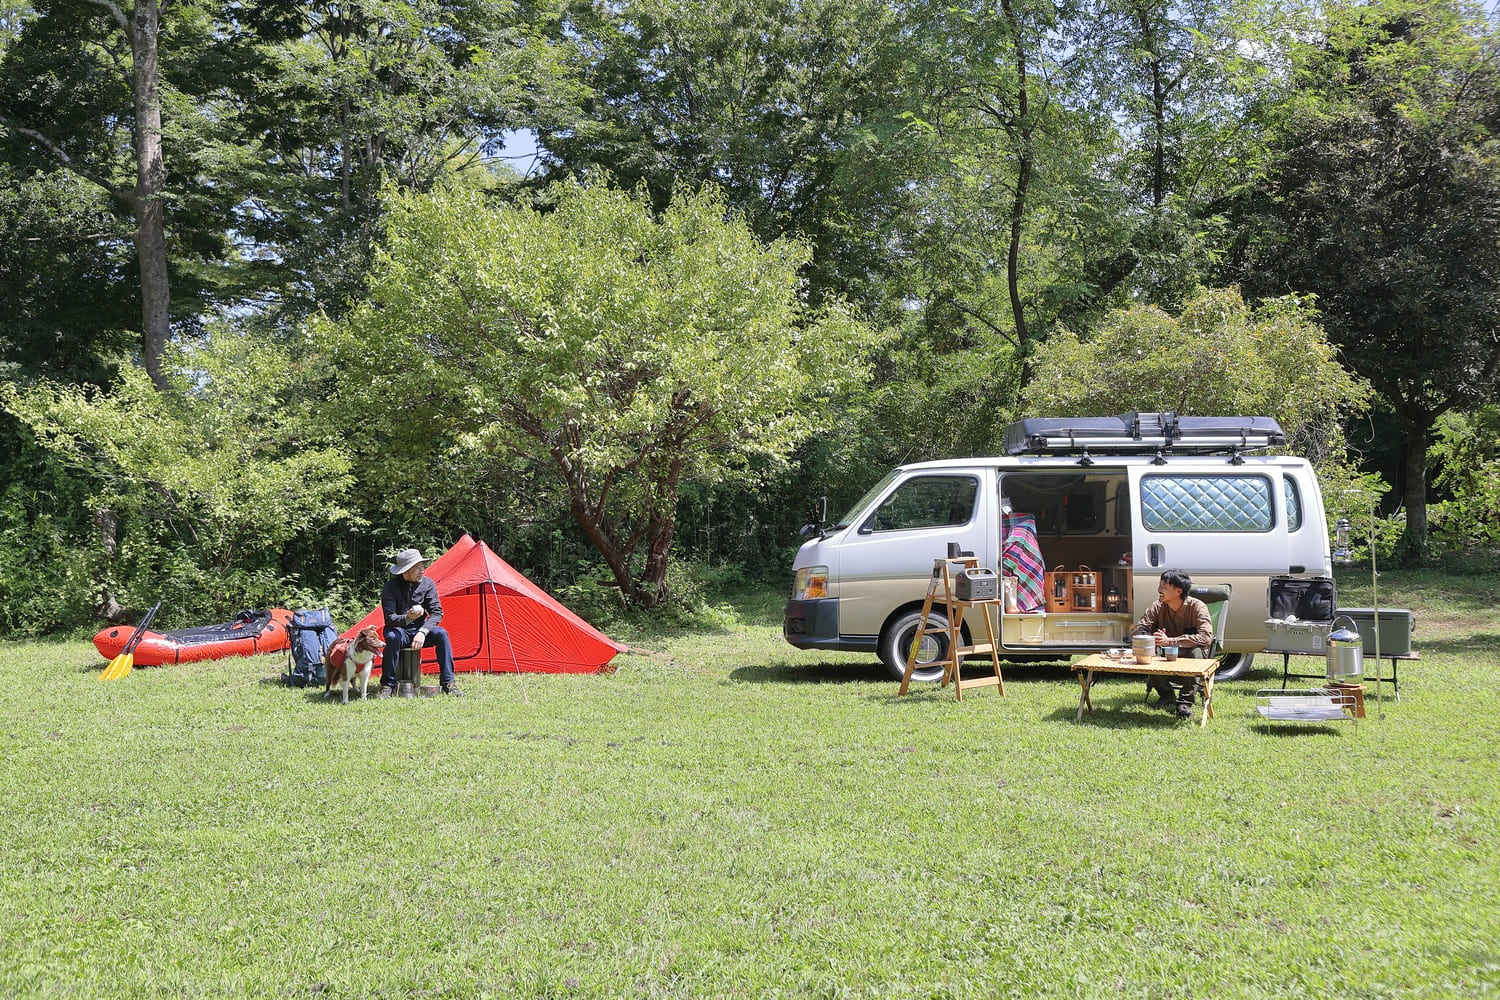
column 628, row 353
column 1218, row 356
column 1008, row 194
column 1383, row 200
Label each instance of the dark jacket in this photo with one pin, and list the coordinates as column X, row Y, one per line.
column 397, row 597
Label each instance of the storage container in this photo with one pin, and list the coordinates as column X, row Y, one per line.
column 1397, row 626
column 1307, row 599
column 1073, row 629
column 1297, row 637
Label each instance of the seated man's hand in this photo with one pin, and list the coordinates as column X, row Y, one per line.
column 418, row 640
column 417, row 611
column 1161, row 637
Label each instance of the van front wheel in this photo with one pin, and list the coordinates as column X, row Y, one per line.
column 1233, row 666
column 896, row 640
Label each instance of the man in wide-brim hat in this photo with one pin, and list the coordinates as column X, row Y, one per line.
column 413, row 617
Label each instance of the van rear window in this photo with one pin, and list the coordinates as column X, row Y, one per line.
column 1206, row 503
column 1293, row 505
column 926, row 502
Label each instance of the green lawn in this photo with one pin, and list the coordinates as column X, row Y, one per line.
column 732, row 817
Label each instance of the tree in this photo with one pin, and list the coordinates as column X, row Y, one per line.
column 129, row 55
column 208, row 479
column 1384, row 202
column 1176, row 80
column 348, row 96
column 797, row 112
column 628, row 354
column 1218, row 356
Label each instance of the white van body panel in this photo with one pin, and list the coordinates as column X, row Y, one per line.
column 876, row 569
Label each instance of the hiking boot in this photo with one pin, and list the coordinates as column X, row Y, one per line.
column 451, row 688
column 386, row 691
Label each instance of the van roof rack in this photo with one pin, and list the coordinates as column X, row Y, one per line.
column 1135, row 433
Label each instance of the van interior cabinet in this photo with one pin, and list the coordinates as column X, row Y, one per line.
column 1062, row 628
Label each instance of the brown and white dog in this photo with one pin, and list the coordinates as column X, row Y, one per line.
column 352, row 659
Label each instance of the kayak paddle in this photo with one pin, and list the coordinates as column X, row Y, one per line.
column 122, row 663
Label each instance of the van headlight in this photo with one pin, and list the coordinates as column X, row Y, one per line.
column 811, row 583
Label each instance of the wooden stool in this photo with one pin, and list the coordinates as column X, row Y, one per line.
column 1354, row 693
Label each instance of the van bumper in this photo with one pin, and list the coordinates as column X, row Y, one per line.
column 814, row 624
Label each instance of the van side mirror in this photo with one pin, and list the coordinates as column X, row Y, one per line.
column 820, row 518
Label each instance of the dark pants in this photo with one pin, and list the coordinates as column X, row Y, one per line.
column 398, row 638
column 1162, row 684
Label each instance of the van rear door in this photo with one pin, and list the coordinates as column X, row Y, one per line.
column 1221, row 524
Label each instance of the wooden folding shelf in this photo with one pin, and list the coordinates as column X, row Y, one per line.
column 940, row 588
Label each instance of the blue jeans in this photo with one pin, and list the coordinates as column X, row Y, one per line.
column 398, row 638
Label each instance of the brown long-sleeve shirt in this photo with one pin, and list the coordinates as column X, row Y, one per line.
column 1189, row 626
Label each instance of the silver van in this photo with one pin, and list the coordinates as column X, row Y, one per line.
column 1081, row 516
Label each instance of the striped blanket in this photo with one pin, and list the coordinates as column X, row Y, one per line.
column 1022, row 559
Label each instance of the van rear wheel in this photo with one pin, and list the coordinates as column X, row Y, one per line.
column 896, row 640
column 1233, row 666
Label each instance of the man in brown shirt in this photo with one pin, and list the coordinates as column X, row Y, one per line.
column 1176, row 619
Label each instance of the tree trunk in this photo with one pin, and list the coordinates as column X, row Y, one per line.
column 1024, row 166
column 1415, row 546
column 151, row 181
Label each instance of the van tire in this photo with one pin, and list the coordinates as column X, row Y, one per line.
column 895, row 641
column 1233, row 666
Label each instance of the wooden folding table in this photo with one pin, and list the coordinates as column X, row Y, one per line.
column 1098, row 663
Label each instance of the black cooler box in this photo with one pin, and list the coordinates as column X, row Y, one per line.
column 1302, row 610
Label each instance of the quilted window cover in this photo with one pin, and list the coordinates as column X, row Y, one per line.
column 1206, row 503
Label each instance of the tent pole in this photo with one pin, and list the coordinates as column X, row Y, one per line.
column 514, row 662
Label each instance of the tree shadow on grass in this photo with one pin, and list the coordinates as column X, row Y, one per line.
column 1478, row 642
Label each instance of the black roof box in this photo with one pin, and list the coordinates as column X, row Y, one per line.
column 1142, row 432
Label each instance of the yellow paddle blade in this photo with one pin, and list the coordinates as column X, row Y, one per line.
column 118, row 667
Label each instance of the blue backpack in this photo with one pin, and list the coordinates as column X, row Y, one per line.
column 311, row 632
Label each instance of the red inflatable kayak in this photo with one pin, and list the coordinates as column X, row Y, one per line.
column 250, row 632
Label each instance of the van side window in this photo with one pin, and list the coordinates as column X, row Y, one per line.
column 1293, row 505
column 926, row 502
column 1206, row 503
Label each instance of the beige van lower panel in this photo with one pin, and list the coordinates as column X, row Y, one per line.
column 1063, row 629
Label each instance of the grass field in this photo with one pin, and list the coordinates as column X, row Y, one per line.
column 730, row 817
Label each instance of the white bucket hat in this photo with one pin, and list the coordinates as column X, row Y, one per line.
column 405, row 560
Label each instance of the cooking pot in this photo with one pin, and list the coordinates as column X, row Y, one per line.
column 1345, row 653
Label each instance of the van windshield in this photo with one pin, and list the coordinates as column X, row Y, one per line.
column 865, row 501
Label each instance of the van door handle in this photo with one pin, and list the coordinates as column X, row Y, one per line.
column 1154, row 554
column 1294, row 570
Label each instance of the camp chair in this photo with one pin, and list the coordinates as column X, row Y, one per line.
column 1217, row 599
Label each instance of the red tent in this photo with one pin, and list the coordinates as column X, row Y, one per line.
column 500, row 621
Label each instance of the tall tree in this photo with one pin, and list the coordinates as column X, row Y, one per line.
column 629, row 354
column 351, row 96
column 1384, row 202
column 1010, row 203
column 120, row 54
column 1176, row 80
column 797, row 112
